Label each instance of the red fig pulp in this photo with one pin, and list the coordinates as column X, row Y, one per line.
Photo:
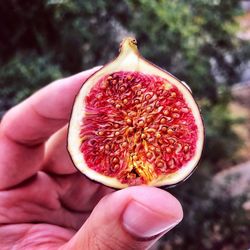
column 133, row 123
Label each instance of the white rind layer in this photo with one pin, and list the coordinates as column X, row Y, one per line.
column 130, row 61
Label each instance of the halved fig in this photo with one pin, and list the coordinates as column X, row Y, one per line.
column 133, row 123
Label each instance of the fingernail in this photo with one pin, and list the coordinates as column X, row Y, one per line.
column 143, row 222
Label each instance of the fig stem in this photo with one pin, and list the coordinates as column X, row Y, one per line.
column 128, row 45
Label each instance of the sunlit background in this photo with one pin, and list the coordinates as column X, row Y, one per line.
column 206, row 43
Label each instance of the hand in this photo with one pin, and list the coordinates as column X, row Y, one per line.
column 45, row 203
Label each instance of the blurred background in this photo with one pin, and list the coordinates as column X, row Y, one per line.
column 206, row 43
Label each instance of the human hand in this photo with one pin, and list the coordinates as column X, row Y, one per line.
column 45, row 203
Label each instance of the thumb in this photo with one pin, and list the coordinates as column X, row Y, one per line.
column 133, row 218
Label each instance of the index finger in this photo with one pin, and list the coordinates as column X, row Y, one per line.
column 35, row 119
column 26, row 127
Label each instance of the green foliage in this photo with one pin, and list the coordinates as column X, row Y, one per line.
column 178, row 35
column 22, row 75
column 221, row 140
column 213, row 223
column 186, row 37
column 195, row 40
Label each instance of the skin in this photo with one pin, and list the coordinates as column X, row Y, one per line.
column 45, row 203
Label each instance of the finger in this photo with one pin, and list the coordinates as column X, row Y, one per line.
column 79, row 194
column 28, row 125
column 133, row 218
column 35, row 119
column 36, row 236
column 38, row 200
column 57, row 159
column 14, row 167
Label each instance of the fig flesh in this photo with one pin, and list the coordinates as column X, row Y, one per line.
column 133, row 123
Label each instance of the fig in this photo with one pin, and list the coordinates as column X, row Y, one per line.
column 134, row 123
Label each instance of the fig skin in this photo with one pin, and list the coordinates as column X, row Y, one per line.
column 201, row 126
